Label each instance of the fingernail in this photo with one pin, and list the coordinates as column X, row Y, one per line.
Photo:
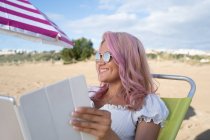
column 76, row 109
column 70, row 122
column 76, row 128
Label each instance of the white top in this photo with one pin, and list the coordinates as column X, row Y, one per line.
column 124, row 121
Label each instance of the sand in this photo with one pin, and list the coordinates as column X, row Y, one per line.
column 16, row 80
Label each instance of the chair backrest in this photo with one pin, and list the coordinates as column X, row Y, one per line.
column 178, row 108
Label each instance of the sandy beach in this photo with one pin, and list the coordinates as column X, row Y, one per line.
column 16, row 80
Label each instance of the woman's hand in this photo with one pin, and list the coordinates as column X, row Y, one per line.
column 93, row 121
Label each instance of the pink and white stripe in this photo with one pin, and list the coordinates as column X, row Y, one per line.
column 21, row 18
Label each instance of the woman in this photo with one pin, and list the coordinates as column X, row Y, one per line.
column 125, row 106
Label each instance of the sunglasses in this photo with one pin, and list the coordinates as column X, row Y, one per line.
column 106, row 57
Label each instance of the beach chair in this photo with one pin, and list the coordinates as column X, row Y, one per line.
column 178, row 108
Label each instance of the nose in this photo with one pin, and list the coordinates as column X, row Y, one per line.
column 101, row 61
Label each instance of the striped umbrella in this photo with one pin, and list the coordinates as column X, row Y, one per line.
column 22, row 19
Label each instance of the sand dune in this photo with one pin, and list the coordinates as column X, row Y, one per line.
column 16, row 80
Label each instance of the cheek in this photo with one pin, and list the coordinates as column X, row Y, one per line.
column 97, row 68
column 115, row 72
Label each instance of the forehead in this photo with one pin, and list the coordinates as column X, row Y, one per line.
column 103, row 47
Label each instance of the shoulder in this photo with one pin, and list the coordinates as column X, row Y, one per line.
column 153, row 109
column 154, row 103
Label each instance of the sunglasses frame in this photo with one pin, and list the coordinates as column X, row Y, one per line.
column 102, row 56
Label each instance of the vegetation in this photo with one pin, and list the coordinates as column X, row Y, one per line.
column 82, row 50
column 80, row 54
column 30, row 57
column 191, row 59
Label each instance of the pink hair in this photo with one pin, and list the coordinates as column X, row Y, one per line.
column 129, row 54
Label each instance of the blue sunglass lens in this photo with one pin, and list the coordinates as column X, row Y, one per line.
column 106, row 56
column 97, row 56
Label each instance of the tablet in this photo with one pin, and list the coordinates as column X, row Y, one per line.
column 44, row 114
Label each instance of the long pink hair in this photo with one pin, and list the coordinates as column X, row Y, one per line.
column 129, row 54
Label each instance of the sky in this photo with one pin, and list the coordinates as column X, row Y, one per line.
column 162, row 24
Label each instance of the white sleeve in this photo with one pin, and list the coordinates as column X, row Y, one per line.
column 153, row 109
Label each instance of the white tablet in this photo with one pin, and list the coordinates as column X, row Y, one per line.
column 44, row 114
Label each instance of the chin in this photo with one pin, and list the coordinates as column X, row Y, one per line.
column 103, row 80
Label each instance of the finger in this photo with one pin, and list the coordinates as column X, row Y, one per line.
column 89, row 131
column 89, row 125
column 94, row 111
column 93, row 118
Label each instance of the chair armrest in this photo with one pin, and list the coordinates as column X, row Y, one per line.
column 179, row 77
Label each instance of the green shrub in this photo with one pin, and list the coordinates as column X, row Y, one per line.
column 82, row 50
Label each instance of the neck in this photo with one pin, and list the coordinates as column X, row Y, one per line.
column 114, row 88
column 113, row 95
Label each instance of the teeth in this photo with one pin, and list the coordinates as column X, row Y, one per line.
column 103, row 70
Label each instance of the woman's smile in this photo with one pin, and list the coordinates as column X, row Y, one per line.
column 102, row 70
